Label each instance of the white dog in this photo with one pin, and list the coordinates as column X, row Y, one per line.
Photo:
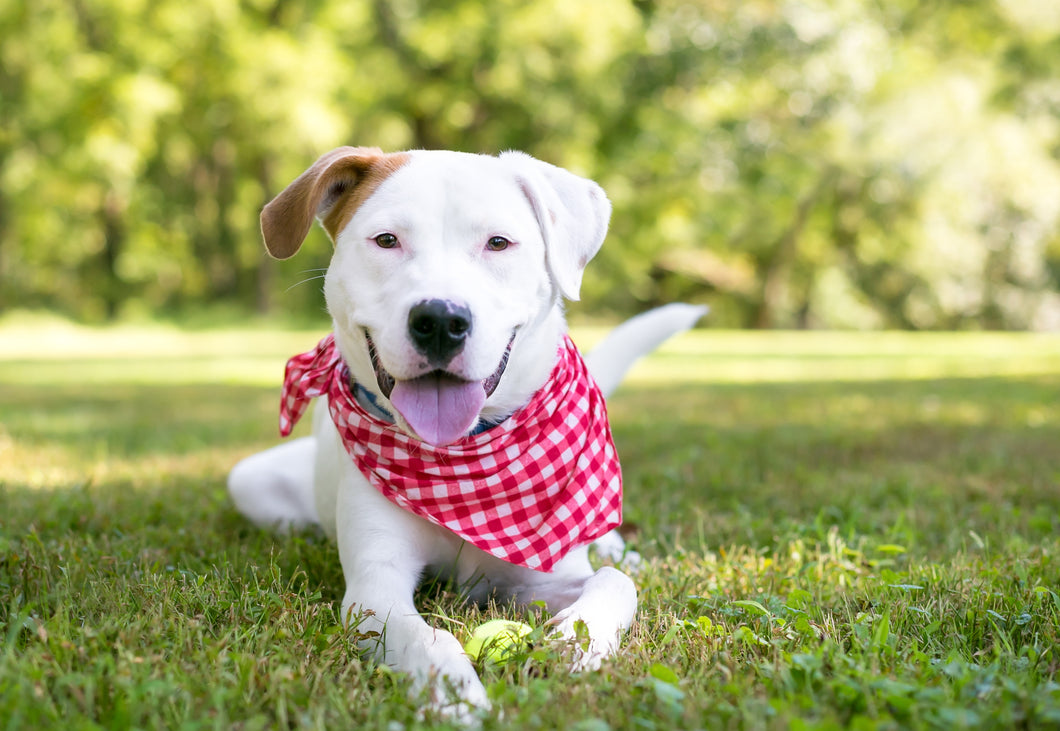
column 459, row 431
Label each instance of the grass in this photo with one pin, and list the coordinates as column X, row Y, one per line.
column 840, row 531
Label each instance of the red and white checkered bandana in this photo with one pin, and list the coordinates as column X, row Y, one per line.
column 527, row 490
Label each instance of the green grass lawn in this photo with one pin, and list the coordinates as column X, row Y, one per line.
column 840, row 530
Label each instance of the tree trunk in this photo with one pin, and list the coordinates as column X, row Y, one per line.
column 112, row 219
column 778, row 269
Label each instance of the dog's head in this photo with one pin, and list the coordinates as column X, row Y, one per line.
column 448, row 273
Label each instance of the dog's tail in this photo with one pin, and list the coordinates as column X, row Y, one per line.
column 611, row 359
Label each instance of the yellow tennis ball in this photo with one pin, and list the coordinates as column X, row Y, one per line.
column 497, row 641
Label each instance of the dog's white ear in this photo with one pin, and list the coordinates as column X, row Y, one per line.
column 573, row 214
column 331, row 189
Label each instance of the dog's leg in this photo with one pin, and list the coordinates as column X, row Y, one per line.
column 600, row 604
column 383, row 550
column 274, row 488
column 605, row 608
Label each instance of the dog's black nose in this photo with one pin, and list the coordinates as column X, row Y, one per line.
column 438, row 329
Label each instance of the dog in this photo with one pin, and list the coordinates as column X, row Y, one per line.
column 448, row 384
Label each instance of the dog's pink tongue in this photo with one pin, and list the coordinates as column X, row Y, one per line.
column 439, row 409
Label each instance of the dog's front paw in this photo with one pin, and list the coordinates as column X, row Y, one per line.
column 593, row 625
column 589, row 649
column 444, row 675
column 465, row 706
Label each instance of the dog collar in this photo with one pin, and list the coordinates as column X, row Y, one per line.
column 527, row 490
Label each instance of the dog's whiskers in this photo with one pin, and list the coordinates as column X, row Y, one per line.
column 308, row 279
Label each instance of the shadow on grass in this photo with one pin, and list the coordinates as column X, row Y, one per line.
column 923, row 462
column 138, row 420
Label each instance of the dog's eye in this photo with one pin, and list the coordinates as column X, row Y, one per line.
column 386, row 241
column 498, row 243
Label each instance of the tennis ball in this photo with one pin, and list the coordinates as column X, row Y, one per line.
column 497, row 640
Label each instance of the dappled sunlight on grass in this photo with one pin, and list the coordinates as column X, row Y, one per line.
column 64, row 354
column 827, row 532
column 714, row 422
column 920, row 461
column 72, row 434
column 56, row 339
column 708, row 356
column 60, row 353
column 232, row 369
column 52, row 466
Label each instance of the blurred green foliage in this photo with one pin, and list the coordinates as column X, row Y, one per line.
column 795, row 163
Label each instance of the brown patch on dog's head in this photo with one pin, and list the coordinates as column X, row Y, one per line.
column 332, row 189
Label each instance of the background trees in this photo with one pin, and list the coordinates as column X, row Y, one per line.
column 794, row 163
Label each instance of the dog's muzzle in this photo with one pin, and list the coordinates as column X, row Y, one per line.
column 386, row 382
column 439, row 406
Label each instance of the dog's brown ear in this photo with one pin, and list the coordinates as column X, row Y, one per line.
column 331, row 189
column 573, row 214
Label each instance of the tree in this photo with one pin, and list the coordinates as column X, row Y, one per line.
column 796, row 164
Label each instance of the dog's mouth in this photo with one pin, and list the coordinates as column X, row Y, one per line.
column 439, row 406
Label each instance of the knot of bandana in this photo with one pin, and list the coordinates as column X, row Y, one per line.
column 527, row 490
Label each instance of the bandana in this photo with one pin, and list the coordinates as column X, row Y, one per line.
column 526, row 490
